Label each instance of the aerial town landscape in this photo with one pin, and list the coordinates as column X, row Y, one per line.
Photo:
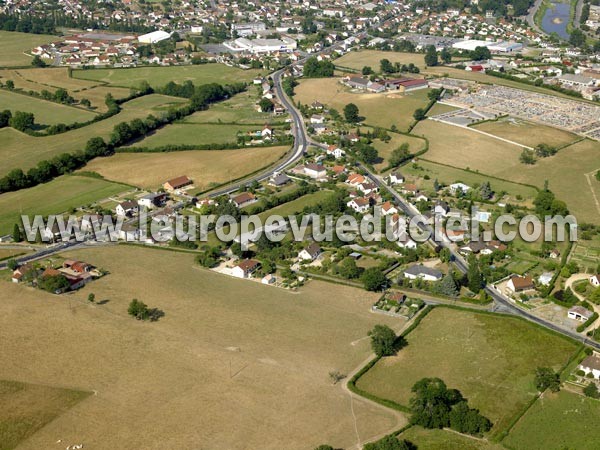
column 320, row 224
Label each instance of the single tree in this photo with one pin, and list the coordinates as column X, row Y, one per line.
column 431, row 57
column 474, row 277
column 351, row 113
column 91, row 298
column 37, row 62
column 12, row 264
column 266, row 105
column 546, row 378
column 373, row 279
column 383, row 340
column 446, row 55
column 17, row 235
column 591, row 390
column 447, row 286
column 419, row 114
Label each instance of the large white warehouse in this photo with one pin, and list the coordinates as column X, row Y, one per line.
column 154, row 37
column 285, row 44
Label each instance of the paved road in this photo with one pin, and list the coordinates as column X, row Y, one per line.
column 530, row 16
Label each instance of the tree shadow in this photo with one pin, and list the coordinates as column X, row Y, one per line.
column 154, row 314
column 103, row 302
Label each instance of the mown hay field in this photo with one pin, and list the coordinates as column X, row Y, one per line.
column 233, row 364
column 383, row 110
column 159, row 76
column 205, row 167
column 19, row 150
column 490, row 359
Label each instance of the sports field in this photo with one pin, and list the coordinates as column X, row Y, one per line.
column 14, row 45
column 371, row 58
column 233, row 364
column 54, row 197
column 205, row 167
column 19, row 150
column 26, row 408
column 490, row 359
column 159, row 76
column 563, row 420
column 445, row 440
column 382, row 110
column 527, row 133
column 194, row 134
column 45, row 112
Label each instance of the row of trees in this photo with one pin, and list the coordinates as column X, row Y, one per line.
column 313, row 68
column 387, row 67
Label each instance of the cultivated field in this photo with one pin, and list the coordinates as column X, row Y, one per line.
column 382, row 110
column 14, row 45
column 490, row 359
column 357, row 60
column 26, row 408
column 53, row 78
column 194, row 134
column 19, row 150
column 563, row 420
column 205, row 167
column 159, row 76
column 54, row 197
column 239, row 109
column 445, row 440
column 45, row 112
column 527, row 133
column 232, row 365
column 448, row 175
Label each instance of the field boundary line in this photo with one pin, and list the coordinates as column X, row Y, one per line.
column 589, row 181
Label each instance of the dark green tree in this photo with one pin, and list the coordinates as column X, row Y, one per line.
column 419, row 114
column 474, row 277
column 431, row 57
column 37, row 62
column 591, row 390
column 373, row 279
column 17, row 235
column 351, row 113
column 389, row 442
column 447, row 286
column 546, row 378
column 22, row 121
column 383, row 340
column 446, row 55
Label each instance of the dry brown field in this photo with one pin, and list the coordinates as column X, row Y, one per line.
column 382, row 110
column 357, row 60
column 205, row 167
column 233, row 364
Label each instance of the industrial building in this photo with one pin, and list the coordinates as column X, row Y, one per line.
column 154, row 37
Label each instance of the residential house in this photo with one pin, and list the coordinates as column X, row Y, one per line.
column 388, row 208
column 279, row 179
column 126, row 208
column 396, row 178
column 22, row 272
column 595, row 280
column 545, row 278
column 441, row 208
column 310, row 253
column 458, row 188
column 245, row 268
column 422, row 272
column 177, row 183
column 591, row 364
column 315, row 171
column 155, row 199
column 519, row 284
column 244, row 199
column 359, row 204
column 335, row 151
column 317, row 118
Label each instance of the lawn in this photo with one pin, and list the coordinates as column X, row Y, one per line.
column 239, row 109
column 26, row 408
column 563, row 420
column 205, row 167
column 233, row 364
column 194, row 134
column 53, row 78
column 45, row 112
column 490, row 359
column 448, row 175
column 19, row 150
column 14, row 45
column 384, row 110
column 54, row 197
column 527, row 133
column 357, row 60
column 296, row 206
column 445, row 440
column 159, row 76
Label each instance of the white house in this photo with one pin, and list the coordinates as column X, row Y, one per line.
column 359, row 204
column 310, row 253
column 268, row 279
column 591, row 364
column 579, row 313
column 245, row 268
column 317, row 118
column 388, row 208
column 315, row 171
column 595, row 280
column 396, row 178
column 126, row 208
column 423, row 272
column 335, row 151
column 441, row 208
column 545, row 278
column 266, row 132
column 406, row 242
column 457, row 188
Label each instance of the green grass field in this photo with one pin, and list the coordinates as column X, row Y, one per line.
column 14, row 45
column 563, row 420
column 448, row 175
column 490, row 359
column 19, row 150
column 371, row 58
column 296, row 206
column 445, row 440
column 194, row 134
column 159, row 76
column 385, row 149
column 383, row 110
column 54, row 197
column 239, row 109
column 28, row 407
column 45, row 112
